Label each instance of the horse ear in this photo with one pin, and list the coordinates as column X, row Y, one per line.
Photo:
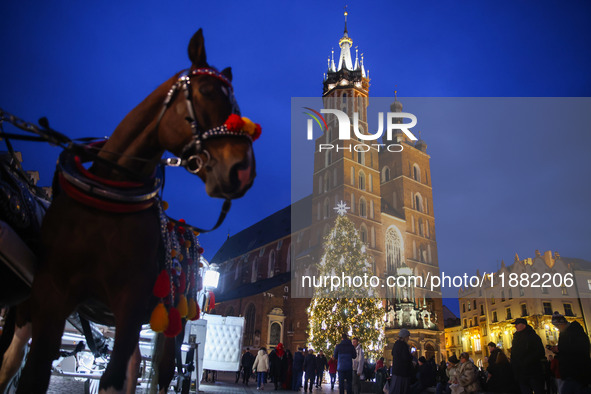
column 227, row 72
column 197, row 49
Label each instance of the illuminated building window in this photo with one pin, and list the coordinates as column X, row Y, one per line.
column 495, row 317
column 564, row 290
column 547, row 308
column 477, row 345
column 508, row 314
column 481, row 310
column 524, row 310
column 568, row 310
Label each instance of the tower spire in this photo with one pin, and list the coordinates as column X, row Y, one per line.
column 346, row 13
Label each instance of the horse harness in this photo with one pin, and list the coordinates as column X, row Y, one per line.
column 135, row 196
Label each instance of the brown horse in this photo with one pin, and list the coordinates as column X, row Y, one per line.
column 108, row 258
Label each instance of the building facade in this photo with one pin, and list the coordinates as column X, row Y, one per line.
column 391, row 205
column 487, row 313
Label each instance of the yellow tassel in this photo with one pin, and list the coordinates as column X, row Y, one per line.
column 187, row 244
column 164, row 205
column 159, row 318
column 181, row 257
column 192, row 312
column 182, row 306
column 173, row 253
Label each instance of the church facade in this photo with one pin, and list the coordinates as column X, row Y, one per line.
column 391, row 205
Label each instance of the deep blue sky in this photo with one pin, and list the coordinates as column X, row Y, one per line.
column 84, row 65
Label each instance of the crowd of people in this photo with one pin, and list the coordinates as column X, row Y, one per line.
column 526, row 371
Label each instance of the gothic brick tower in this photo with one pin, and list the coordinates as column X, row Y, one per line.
column 390, row 197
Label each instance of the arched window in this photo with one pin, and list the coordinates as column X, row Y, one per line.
column 361, row 180
column 320, row 184
column 352, row 176
column 344, row 98
column 371, row 213
column 275, row 334
column 370, row 183
column 362, row 207
column 255, row 270
column 363, row 233
column 326, row 182
column 272, row 263
column 385, row 174
column 418, row 202
column 416, row 172
column 326, row 208
column 393, row 249
column 420, row 226
column 373, row 237
column 328, row 158
column 361, row 158
column 249, row 318
column 237, row 273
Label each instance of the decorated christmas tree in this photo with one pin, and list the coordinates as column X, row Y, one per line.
column 347, row 308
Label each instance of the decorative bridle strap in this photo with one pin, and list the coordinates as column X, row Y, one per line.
column 225, row 209
column 190, row 157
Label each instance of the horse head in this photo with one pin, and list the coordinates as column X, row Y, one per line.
column 202, row 125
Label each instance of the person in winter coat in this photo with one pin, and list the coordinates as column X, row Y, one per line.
column 275, row 362
column 527, row 353
column 298, row 369
column 402, row 365
column 381, row 375
column 452, row 374
column 358, row 364
column 500, row 373
column 246, row 361
column 332, row 370
column 309, row 370
column 287, row 371
column 442, row 378
column 572, row 351
column 321, row 365
column 261, row 366
column 467, row 374
column 425, row 376
column 345, row 352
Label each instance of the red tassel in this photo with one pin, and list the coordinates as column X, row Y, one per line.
column 211, row 300
column 174, row 323
column 182, row 282
column 197, row 312
column 162, row 285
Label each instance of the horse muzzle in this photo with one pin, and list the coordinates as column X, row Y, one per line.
column 231, row 183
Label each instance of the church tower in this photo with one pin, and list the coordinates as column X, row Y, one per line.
column 390, row 200
column 350, row 170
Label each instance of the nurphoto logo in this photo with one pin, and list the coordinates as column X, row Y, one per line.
column 393, row 122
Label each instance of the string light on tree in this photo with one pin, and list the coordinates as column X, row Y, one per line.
column 356, row 311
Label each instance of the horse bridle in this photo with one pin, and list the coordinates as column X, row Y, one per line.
column 190, row 157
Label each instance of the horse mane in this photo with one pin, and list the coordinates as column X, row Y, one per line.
column 136, row 122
